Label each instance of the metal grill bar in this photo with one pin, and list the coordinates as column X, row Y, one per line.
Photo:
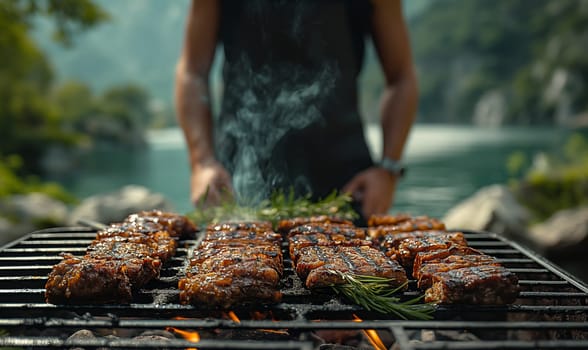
column 552, row 310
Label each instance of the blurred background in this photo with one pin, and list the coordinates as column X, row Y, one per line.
column 501, row 141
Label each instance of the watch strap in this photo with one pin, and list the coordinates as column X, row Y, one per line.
column 395, row 167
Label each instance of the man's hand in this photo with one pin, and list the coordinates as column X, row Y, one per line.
column 374, row 188
column 210, row 184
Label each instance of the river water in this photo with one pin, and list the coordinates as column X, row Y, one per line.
column 445, row 165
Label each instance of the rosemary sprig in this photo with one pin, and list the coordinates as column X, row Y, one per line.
column 375, row 294
column 279, row 206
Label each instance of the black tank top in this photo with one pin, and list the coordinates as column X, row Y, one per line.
column 289, row 117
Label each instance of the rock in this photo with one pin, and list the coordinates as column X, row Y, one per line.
column 490, row 110
column 151, row 338
column 25, row 213
column 115, row 206
column 82, row 334
column 493, row 208
column 158, row 332
column 565, row 232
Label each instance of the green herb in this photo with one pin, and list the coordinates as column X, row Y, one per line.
column 376, row 294
column 279, row 206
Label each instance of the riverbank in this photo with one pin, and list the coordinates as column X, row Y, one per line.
column 445, row 165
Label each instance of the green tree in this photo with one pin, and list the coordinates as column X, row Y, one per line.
column 534, row 53
column 29, row 122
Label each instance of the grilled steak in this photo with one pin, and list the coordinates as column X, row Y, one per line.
column 262, row 236
column 329, row 229
column 123, row 257
column 422, row 258
column 261, row 226
column 90, row 280
column 227, row 288
column 299, row 242
column 286, row 225
column 234, row 263
column 416, row 224
column 176, row 225
column 406, row 249
column 387, row 219
column 483, row 285
column 158, row 244
column 214, row 258
column 452, row 262
column 316, row 264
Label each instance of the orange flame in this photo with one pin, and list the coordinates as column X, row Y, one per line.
column 233, row 316
column 372, row 336
column 193, row 337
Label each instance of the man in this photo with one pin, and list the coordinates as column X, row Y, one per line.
column 289, row 116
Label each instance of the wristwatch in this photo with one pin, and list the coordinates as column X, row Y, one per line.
column 394, row 167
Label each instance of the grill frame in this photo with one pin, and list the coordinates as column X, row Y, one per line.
column 567, row 314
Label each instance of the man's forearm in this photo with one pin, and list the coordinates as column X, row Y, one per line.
column 194, row 115
column 398, row 111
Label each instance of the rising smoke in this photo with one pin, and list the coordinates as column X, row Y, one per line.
column 271, row 102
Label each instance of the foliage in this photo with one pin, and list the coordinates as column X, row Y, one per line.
column 279, row 206
column 560, row 182
column 119, row 115
column 532, row 53
column 35, row 115
column 29, row 121
column 11, row 183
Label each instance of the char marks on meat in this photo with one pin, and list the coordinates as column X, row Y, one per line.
column 329, row 229
column 258, row 226
column 320, row 250
column 444, row 266
column 298, row 242
column 483, row 285
column 405, row 248
column 234, row 263
column 316, row 265
column 288, row 224
column 124, row 257
column 415, row 224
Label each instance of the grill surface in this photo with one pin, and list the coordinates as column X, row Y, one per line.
column 550, row 313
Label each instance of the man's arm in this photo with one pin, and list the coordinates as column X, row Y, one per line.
column 376, row 185
column 192, row 100
column 399, row 99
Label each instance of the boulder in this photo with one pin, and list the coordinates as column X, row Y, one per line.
column 565, row 232
column 115, row 206
column 24, row 213
column 493, row 208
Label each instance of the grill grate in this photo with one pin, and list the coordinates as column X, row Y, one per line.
column 550, row 313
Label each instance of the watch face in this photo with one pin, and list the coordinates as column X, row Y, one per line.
column 394, row 167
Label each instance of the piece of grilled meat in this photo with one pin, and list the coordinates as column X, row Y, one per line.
column 298, row 242
column 258, row 226
column 235, row 262
column 178, row 226
column 405, row 248
column 387, row 219
column 227, row 236
column 212, row 258
column 98, row 280
column 329, row 229
column 422, row 258
column 414, row 224
column 124, row 257
column 316, row 263
column 286, row 225
column 230, row 287
column 481, row 285
column 160, row 244
column 425, row 274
